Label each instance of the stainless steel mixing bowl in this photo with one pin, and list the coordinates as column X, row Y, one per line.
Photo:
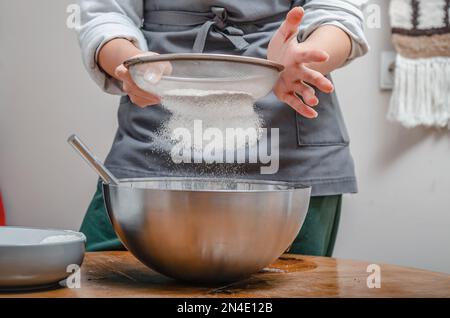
column 202, row 230
column 206, row 230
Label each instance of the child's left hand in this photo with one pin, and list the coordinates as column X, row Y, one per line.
column 285, row 49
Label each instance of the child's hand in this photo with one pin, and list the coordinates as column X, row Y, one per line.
column 138, row 96
column 285, row 49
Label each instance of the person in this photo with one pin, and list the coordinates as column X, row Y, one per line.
column 311, row 38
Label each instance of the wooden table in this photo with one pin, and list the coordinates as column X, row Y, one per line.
column 119, row 274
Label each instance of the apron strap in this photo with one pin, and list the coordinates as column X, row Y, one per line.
column 214, row 21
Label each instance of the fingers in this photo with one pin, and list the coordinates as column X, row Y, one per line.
column 155, row 71
column 138, row 96
column 289, row 97
column 307, row 93
column 152, row 72
column 297, row 69
column 296, row 75
column 167, row 68
column 292, row 100
column 142, row 101
column 310, row 56
column 302, row 73
column 122, row 73
column 290, row 25
column 316, row 79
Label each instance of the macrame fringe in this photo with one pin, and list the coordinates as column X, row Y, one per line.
column 421, row 95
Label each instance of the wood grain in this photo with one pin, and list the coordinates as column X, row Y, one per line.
column 119, row 274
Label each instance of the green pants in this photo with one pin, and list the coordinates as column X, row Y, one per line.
column 316, row 237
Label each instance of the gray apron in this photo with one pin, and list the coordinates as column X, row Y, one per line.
column 312, row 151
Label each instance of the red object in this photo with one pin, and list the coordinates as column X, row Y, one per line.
column 2, row 212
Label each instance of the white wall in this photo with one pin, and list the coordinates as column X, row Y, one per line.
column 45, row 96
column 401, row 215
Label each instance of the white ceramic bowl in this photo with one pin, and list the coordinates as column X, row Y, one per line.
column 26, row 262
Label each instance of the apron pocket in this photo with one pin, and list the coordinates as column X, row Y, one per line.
column 325, row 130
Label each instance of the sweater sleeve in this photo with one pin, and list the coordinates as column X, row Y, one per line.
column 102, row 21
column 344, row 14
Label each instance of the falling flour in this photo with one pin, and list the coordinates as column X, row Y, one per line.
column 221, row 110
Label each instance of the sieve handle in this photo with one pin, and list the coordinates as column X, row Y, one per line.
column 96, row 164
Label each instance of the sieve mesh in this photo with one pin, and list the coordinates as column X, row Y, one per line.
column 207, row 72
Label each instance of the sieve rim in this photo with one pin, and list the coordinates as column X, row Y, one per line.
column 203, row 57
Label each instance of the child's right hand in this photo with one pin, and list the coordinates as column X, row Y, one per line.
column 111, row 58
column 138, row 96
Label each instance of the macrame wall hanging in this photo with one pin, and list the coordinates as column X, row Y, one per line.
column 421, row 37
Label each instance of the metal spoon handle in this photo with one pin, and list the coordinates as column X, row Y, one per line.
column 96, row 164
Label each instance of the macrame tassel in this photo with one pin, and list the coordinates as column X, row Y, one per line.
column 421, row 93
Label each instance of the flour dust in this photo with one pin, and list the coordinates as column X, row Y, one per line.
column 219, row 111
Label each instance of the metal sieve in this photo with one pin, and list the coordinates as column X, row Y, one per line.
column 205, row 72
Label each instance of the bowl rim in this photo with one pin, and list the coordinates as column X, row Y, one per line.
column 290, row 185
column 201, row 56
column 81, row 236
